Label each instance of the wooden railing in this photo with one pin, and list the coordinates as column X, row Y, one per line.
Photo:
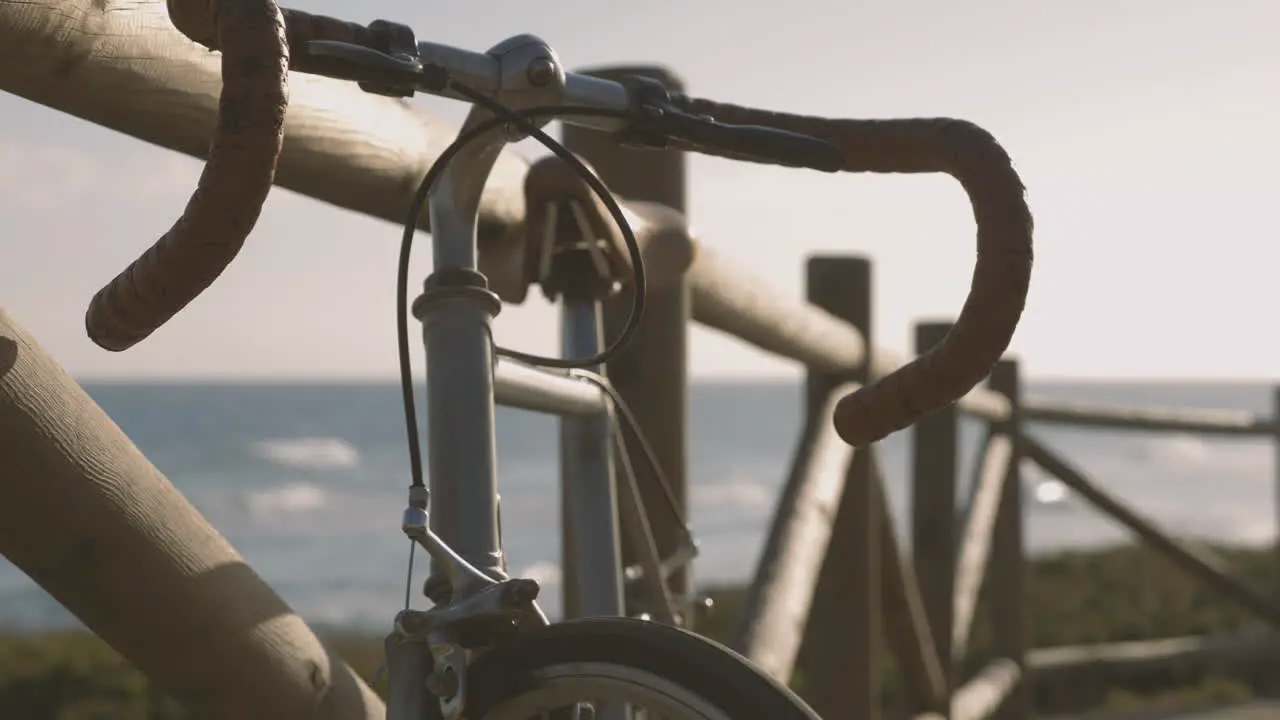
column 928, row 605
column 832, row 568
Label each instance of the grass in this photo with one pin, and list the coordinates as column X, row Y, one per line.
column 1111, row 595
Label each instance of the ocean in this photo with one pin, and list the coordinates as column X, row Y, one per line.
column 308, row 482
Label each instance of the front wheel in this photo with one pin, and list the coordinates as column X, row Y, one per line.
column 601, row 662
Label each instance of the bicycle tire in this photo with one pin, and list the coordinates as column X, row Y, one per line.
column 641, row 650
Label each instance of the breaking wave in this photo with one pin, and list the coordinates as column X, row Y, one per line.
column 310, row 453
column 289, row 499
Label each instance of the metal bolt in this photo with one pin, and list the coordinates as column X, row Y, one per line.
column 542, row 70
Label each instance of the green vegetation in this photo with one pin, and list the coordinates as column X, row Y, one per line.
column 1079, row 597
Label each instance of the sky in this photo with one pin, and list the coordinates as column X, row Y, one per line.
column 1145, row 131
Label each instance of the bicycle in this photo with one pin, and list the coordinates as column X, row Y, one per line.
column 485, row 649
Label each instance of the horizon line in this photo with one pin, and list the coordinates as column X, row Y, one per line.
column 733, row 379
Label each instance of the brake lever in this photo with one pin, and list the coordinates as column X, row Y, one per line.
column 659, row 123
column 754, row 142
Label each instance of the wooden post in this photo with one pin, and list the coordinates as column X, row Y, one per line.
column 841, row 648
column 1006, row 580
column 651, row 374
column 906, row 625
column 779, row 601
column 1275, row 422
column 977, row 538
column 934, row 442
